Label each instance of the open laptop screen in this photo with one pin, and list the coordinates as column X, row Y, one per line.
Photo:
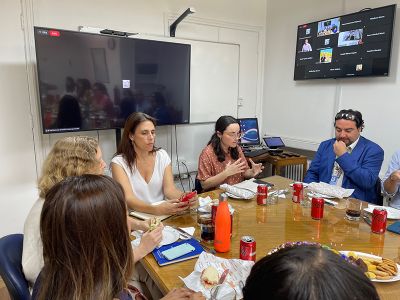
column 249, row 129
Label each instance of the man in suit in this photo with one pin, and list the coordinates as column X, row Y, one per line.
column 348, row 160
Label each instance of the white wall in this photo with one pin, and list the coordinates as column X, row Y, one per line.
column 310, row 106
column 17, row 156
column 24, row 147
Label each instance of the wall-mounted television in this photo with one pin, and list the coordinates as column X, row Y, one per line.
column 91, row 81
column 352, row 45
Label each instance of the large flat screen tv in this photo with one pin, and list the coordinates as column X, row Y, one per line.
column 356, row 44
column 92, row 81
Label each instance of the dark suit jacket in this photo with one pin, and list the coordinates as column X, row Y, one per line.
column 361, row 167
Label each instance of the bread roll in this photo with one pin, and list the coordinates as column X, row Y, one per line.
column 209, row 277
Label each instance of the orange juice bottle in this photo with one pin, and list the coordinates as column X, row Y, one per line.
column 222, row 238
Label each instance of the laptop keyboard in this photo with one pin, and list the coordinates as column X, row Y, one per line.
column 254, row 153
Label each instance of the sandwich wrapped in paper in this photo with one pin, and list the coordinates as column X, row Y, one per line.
column 237, row 192
column 330, row 190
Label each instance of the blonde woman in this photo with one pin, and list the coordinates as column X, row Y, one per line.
column 70, row 156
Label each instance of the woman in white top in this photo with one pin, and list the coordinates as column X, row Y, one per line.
column 70, row 156
column 145, row 171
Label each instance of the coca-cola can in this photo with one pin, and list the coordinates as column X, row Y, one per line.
column 379, row 219
column 297, row 192
column 214, row 207
column 262, row 194
column 317, row 208
column 248, row 248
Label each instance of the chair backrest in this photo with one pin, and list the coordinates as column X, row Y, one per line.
column 11, row 266
column 378, row 191
column 197, row 186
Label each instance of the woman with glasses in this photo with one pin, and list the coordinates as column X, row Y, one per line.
column 145, row 171
column 223, row 161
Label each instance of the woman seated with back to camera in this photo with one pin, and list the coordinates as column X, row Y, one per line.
column 71, row 156
column 83, row 258
column 145, row 171
column 223, row 161
column 307, row 271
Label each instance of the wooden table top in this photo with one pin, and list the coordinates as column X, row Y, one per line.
column 285, row 221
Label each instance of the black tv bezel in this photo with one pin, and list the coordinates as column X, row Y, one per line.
column 357, row 76
column 258, row 131
column 105, row 35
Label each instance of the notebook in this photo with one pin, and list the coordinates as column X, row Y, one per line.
column 146, row 216
column 162, row 261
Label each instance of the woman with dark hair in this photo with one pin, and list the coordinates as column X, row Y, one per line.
column 145, row 171
column 307, row 271
column 223, row 161
column 86, row 247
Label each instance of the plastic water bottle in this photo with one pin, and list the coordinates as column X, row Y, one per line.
column 222, row 238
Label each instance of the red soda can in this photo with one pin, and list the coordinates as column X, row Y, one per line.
column 262, row 194
column 214, row 207
column 317, row 208
column 379, row 219
column 248, row 248
column 297, row 192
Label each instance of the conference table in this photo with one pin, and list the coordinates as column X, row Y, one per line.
column 285, row 221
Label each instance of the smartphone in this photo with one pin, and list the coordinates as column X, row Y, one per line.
column 188, row 196
column 259, row 181
column 178, row 251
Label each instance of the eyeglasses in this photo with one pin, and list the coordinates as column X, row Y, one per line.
column 346, row 116
column 234, row 135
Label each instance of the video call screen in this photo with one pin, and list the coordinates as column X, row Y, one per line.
column 351, row 45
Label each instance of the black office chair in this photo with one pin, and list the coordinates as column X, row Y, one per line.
column 378, row 192
column 197, row 186
column 11, row 267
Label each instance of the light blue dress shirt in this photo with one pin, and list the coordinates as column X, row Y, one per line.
column 393, row 166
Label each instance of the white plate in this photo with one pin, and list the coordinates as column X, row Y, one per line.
column 392, row 213
column 237, row 197
column 395, row 278
column 313, row 194
column 170, row 236
column 304, row 184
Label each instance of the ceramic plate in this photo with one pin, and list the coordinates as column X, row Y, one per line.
column 170, row 236
column 392, row 212
column 237, row 197
column 395, row 278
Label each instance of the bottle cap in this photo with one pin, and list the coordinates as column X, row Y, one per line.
column 223, row 197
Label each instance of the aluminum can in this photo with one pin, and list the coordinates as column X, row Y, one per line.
column 379, row 220
column 297, row 192
column 262, row 194
column 214, row 207
column 317, row 208
column 248, row 248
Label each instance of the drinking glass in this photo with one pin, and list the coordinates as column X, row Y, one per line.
column 353, row 209
column 206, row 227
